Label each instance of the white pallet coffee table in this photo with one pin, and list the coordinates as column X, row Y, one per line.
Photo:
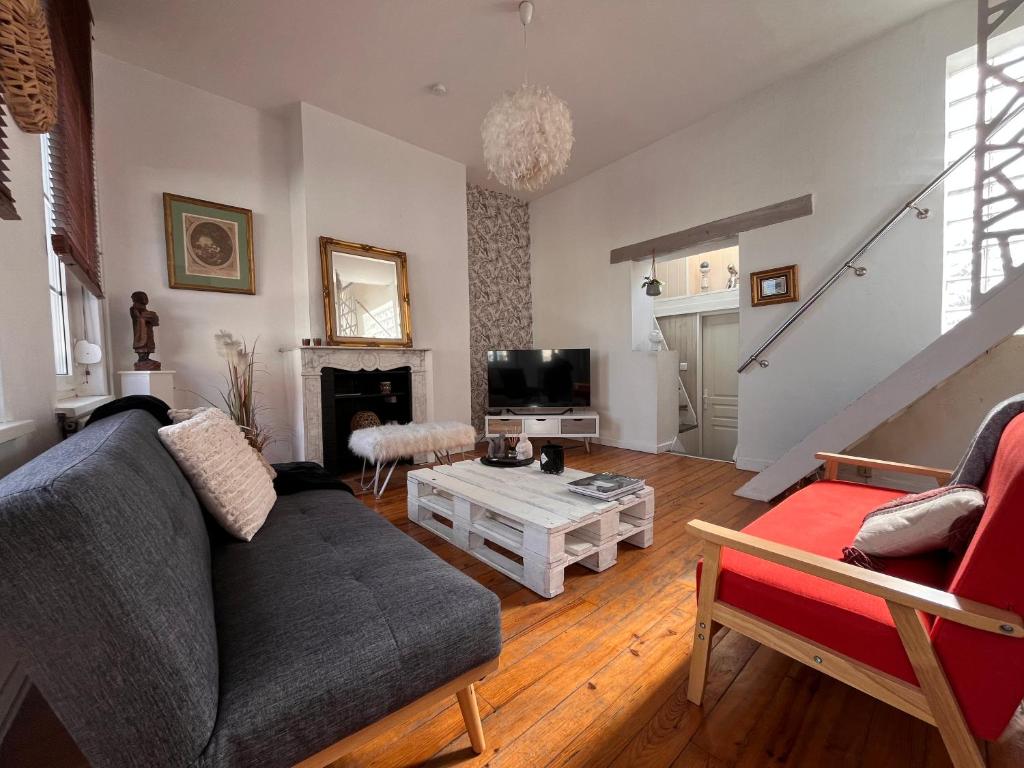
column 526, row 523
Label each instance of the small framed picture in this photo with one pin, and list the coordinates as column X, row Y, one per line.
column 209, row 246
column 774, row 286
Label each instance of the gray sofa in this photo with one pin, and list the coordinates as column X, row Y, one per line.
column 160, row 641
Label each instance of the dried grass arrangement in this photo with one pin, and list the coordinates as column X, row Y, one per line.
column 27, row 73
column 241, row 394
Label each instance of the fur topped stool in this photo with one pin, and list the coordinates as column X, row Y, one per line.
column 391, row 442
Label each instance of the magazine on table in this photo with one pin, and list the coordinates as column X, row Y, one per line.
column 606, row 485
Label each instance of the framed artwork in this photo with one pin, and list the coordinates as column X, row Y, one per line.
column 209, row 246
column 774, row 286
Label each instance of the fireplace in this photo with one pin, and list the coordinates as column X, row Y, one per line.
column 354, row 399
column 308, row 365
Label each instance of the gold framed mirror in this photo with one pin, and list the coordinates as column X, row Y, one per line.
column 366, row 295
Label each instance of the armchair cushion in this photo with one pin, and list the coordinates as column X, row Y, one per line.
column 823, row 518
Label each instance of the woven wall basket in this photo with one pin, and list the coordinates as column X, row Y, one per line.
column 27, row 74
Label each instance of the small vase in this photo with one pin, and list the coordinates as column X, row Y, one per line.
column 653, row 289
column 524, row 448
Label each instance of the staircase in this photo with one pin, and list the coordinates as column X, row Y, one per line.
column 999, row 317
column 996, row 315
column 687, row 415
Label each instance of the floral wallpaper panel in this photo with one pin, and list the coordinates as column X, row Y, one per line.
column 500, row 305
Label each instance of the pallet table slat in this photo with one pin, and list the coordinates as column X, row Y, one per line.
column 530, row 516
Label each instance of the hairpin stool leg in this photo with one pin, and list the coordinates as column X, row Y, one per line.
column 378, row 494
column 364, row 484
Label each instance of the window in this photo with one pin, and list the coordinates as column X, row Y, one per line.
column 59, row 314
column 961, row 135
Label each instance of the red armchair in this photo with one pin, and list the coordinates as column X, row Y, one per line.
column 940, row 639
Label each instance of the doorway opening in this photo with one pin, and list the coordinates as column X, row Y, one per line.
column 698, row 315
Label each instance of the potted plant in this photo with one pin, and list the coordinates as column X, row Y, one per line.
column 240, row 398
column 651, row 284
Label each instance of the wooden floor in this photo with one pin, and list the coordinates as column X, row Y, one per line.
column 597, row 676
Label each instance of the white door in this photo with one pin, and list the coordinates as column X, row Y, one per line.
column 720, row 344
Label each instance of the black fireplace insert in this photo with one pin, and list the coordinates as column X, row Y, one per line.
column 354, row 399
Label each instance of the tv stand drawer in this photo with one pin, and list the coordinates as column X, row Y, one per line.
column 541, row 425
column 506, row 426
column 583, row 426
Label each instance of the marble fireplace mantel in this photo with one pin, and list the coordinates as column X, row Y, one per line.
column 312, row 361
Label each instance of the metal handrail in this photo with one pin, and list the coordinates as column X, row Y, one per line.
column 850, row 263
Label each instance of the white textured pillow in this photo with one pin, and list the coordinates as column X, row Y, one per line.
column 223, row 469
column 922, row 522
column 178, row 415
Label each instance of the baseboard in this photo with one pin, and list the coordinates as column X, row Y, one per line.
column 898, row 480
column 665, row 447
column 627, row 445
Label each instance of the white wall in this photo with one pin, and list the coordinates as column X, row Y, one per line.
column 861, row 132
column 155, row 135
column 364, row 186
column 27, row 381
column 304, row 173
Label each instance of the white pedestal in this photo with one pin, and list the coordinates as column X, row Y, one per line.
column 157, row 383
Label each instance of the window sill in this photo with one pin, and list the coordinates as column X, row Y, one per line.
column 12, row 430
column 77, row 407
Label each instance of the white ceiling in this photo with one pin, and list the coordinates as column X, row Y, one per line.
column 632, row 71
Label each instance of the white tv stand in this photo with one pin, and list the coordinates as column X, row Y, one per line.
column 576, row 424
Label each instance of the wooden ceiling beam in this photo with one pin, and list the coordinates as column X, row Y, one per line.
column 716, row 231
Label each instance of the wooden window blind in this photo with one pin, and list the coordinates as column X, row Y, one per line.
column 72, row 170
column 7, row 210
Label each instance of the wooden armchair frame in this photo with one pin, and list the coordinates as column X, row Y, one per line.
column 932, row 700
column 461, row 686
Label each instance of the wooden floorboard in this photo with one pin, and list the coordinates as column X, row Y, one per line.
column 596, row 677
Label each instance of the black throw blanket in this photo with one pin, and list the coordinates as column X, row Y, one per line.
column 154, row 406
column 292, row 477
column 974, row 466
column 298, row 476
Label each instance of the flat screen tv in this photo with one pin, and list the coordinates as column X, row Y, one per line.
column 538, row 378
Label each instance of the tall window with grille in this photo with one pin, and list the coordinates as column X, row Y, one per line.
column 961, row 135
column 59, row 314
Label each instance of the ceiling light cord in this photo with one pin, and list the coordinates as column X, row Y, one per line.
column 526, row 59
column 525, row 17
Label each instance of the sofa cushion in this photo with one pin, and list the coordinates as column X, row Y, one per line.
column 330, row 619
column 823, row 518
column 105, row 587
